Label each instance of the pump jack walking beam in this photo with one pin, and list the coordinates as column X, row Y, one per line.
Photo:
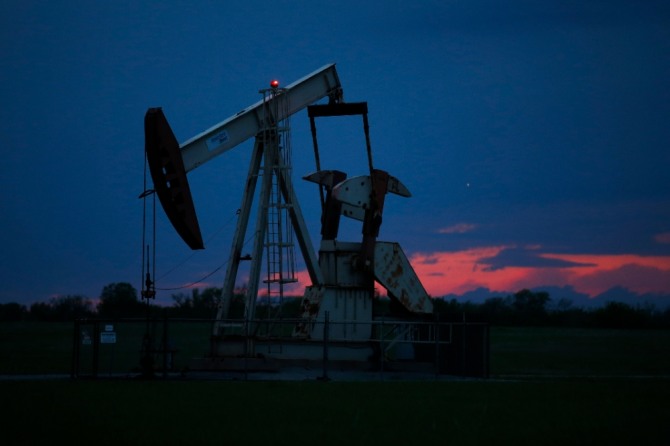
column 169, row 162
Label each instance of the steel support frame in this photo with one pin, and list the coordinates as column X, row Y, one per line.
column 267, row 153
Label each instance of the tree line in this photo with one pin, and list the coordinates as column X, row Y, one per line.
column 529, row 308
column 116, row 300
column 523, row 308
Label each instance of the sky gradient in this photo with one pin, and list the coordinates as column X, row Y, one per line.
column 534, row 136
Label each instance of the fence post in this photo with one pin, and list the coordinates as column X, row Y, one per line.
column 247, row 348
column 326, row 329
column 165, row 345
column 382, row 355
column 74, row 369
column 487, row 351
column 436, row 333
column 464, row 346
column 96, row 347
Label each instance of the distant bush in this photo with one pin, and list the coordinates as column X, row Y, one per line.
column 12, row 312
column 120, row 300
column 621, row 315
column 62, row 308
column 528, row 308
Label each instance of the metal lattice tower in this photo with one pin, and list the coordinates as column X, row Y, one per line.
column 279, row 240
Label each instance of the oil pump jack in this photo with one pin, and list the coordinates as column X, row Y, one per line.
column 337, row 305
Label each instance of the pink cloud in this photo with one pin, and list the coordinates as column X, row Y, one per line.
column 290, row 289
column 456, row 272
column 641, row 274
column 638, row 278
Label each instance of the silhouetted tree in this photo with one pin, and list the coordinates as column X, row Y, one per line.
column 12, row 311
column 201, row 304
column 41, row 311
column 530, row 307
column 621, row 315
column 119, row 300
column 292, row 307
column 563, row 313
column 497, row 311
column 449, row 310
column 205, row 303
column 663, row 318
column 69, row 308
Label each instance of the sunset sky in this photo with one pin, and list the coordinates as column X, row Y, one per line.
column 534, row 136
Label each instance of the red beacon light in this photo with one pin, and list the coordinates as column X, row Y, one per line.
column 274, row 83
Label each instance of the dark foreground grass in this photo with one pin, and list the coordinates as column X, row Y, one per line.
column 35, row 347
column 559, row 412
column 547, row 351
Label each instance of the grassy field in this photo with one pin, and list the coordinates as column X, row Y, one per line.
column 558, row 412
column 580, row 352
column 548, row 386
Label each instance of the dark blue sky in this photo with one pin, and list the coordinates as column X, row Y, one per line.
column 534, row 136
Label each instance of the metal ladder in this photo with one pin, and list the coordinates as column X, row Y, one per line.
column 279, row 241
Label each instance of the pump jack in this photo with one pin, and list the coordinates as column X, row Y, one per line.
column 344, row 273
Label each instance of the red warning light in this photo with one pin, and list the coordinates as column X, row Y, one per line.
column 274, row 83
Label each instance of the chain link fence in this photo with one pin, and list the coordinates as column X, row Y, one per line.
column 176, row 346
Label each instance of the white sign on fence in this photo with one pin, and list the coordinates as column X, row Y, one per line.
column 108, row 337
column 85, row 338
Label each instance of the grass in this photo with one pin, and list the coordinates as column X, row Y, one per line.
column 223, row 412
column 35, row 347
column 46, row 347
column 561, row 386
column 579, row 352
